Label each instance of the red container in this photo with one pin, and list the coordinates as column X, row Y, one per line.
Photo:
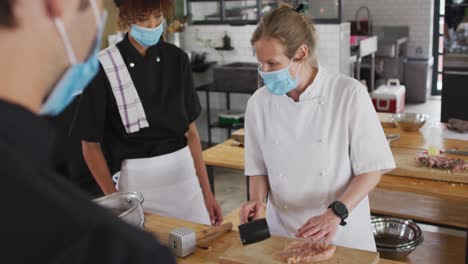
column 389, row 98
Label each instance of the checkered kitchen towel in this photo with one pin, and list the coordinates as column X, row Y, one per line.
column 128, row 102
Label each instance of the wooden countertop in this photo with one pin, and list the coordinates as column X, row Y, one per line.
column 437, row 248
column 230, row 155
column 418, row 139
column 227, row 155
column 161, row 226
column 428, row 200
column 424, row 208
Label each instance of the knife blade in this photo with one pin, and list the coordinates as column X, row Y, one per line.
column 456, row 152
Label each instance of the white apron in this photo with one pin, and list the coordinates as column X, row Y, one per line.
column 310, row 151
column 169, row 185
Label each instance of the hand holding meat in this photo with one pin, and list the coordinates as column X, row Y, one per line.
column 320, row 227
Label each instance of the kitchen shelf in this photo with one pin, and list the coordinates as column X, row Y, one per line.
column 212, row 113
column 223, row 48
column 227, row 12
column 234, row 126
column 459, row 5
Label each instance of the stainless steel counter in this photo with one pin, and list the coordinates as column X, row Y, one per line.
column 455, row 60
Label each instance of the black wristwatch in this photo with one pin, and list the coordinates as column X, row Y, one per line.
column 340, row 210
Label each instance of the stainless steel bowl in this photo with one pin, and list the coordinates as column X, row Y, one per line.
column 125, row 205
column 395, row 253
column 396, row 238
column 409, row 121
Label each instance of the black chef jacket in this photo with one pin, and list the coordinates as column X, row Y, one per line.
column 45, row 219
column 163, row 80
column 68, row 156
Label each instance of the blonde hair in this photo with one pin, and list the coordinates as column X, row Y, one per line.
column 290, row 27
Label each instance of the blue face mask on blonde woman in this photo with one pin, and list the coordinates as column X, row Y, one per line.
column 280, row 82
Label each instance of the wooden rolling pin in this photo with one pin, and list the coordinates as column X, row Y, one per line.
column 208, row 235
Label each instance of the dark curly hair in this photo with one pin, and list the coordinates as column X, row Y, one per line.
column 131, row 11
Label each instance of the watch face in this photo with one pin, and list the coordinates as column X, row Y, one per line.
column 340, row 208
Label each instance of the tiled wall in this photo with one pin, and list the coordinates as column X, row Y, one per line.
column 204, row 38
column 332, row 53
column 417, row 14
column 333, row 45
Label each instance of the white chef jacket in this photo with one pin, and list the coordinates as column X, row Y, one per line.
column 311, row 150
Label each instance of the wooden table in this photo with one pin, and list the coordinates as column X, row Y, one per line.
column 428, row 201
column 162, row 226
column 437, row 248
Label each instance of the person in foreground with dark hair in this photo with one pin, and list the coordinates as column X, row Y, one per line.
column 46, row 219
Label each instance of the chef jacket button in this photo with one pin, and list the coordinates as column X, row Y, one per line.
column 320, row 102
column 281, row 175
column 320, row 141
column 277, row 105
column 277, row 142
column 322, row 173
column 132, row 64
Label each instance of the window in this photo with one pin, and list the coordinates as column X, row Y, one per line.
column 439, row 42
column 250, row 11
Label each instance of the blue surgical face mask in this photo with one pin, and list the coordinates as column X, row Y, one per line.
column 280, row 82
column 147, row 36
column 78, row 75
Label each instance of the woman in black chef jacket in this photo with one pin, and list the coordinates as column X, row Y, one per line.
column 137, row 120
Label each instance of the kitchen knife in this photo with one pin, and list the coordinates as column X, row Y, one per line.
column 254, row 231
column 456, row 152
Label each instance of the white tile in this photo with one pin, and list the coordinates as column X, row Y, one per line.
column 415, row 13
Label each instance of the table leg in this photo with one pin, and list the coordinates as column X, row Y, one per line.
column 466, row 248
column 208, row 117
column 372, row 73
column 228, row 107
column 247, row 185
column 358, row 68
column 210, row 171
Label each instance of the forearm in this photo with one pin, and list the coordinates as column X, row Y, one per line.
column 97, row 164
column 359, row 187
column 194, row 144
column 259, row 188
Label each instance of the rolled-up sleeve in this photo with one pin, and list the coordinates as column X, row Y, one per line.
column 369, row 149
column 254, row 160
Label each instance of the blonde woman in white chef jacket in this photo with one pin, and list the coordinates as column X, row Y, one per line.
column 314, row 146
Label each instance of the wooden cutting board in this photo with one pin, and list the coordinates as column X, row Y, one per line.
column 262, row 253
column 406, row 166
column 238, row 136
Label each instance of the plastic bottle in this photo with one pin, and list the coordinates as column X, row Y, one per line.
column 434, row 139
